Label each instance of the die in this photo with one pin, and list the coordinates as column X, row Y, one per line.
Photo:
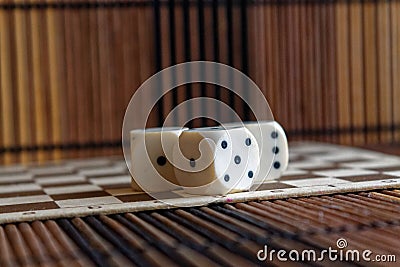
column 216, row 161
column 273, row 145
column 151, row 155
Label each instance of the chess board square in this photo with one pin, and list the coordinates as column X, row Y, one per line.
column 345, row 172
column 89, row 163
column 22, row 194
column 121, row 191
column 17, row 188
column 317, row 168
column 393, row 173
column 116, row 186
column 363, row 178
column 165, row 195
column 374, row 183
column 315, row 182
column 310, row 164
column 293, row 172
column 273, row 186
column 25, row 199
column 344, row 156
column 373, row 164
column 296, row 157
column 80, row 195
column 71, row 189
column 106, row 180
column 82, row 202
column 101, row 172
column 135, row 197
column 28, row 207
column 388, row 169
column 299, row 177
column 12, row 169
column 16, row 178
column 51, row 170
column 309, row 147
column 61, row 180
column 120, row 164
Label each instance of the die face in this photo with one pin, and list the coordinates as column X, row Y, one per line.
column 244, row 161
column 279, row 148
column 274, row 153
column 193, row 168
column 151, row 167
column 232, row 157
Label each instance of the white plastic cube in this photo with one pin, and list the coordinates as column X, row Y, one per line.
column 216, row 161
column 151, row 168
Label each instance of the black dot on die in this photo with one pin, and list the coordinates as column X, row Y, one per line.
column 192, row 163
column 161, row 160
column 250, row 174
column 275, row 150
column 224, row 144
column 237, row 159
column 248, row 141
column 226, row 177
column 277, row 165
column 274, row 135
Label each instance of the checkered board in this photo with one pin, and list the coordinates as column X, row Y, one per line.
column 102, row 185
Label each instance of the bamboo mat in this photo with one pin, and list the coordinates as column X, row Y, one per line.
column 102, row 186
column 216, row 235
column 69, row 68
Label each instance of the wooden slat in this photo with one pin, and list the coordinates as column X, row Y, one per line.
column 343, row 70
column 356, row 70
column 7, row 84
column 57, row 75
column 384, row 87
column 395, row 66
column 369, row 34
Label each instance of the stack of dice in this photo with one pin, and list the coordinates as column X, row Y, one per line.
column 210, row 160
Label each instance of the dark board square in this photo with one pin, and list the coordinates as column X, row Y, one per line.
column 80, row 195
column 324, row 168
column 115, row 186
column 363, row 178
column 360, row 159
column 299, row 177
column 387, row 169
column 135, row 197
column 28, row 207
column 66, row 184
column 274, row 186
column 166, row 195
column 22, row 194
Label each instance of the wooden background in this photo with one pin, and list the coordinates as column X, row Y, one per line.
column 330, row 69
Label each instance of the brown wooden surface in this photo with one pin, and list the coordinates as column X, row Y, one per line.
column 330, row 70
column 228, row 235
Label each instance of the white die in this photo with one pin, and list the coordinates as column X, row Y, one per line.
column 151, row 168
column 228, row 161
column 273, row 145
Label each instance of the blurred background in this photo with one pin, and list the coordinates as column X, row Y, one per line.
column 329, row 69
